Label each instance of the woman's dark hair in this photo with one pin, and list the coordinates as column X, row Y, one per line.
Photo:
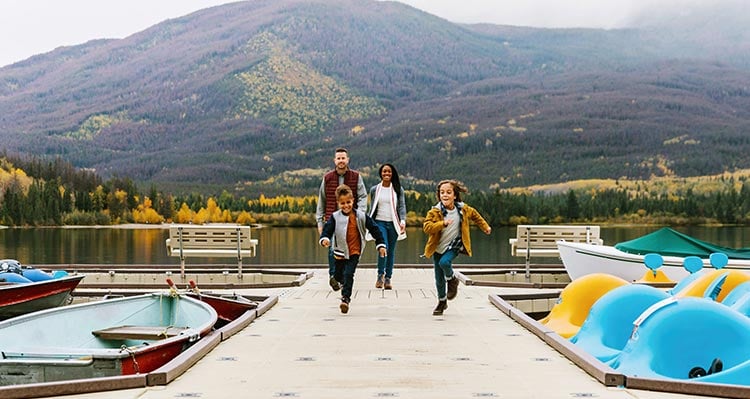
column 394, row 177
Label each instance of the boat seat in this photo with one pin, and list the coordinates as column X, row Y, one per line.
column 139, row 332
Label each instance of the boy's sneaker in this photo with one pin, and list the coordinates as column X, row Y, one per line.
column 453, row 287
column 344, row 306
column 335, row 285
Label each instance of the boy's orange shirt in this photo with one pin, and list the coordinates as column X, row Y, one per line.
column 353, row 240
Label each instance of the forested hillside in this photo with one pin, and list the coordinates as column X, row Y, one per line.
column 252, row 97
column 37, row 192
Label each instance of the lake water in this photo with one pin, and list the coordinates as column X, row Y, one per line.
column 280, row 245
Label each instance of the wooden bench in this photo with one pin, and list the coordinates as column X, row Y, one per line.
column 541, row 240
column 210, row 240
column 152, row 333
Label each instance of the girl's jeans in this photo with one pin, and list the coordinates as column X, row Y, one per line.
column 443, row 271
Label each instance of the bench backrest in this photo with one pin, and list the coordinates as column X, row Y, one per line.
column 547, row 236
column 210, row 236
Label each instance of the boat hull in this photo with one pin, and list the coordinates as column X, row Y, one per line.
column 23, row 298
column 228, row 309
column 583, row 259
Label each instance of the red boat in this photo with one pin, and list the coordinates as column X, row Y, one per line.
column 20, row 298
column 120, row 336
column 228, row 307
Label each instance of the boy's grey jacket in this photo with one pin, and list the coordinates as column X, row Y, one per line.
column 335, row 230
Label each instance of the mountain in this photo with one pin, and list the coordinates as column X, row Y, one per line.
column 254, row 96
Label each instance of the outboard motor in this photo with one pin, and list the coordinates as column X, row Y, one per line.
column 11, row 271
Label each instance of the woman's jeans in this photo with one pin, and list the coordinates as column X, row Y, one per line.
column 443, row 271
column 390, row 235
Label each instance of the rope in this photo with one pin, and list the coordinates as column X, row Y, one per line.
column 132, row 355
column 165, row 332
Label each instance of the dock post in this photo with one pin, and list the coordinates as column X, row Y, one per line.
column 528, row 254
column 239, row 252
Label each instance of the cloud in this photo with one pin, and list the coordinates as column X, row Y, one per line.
column 537, row 13
column 606, row 14
column 30, row 27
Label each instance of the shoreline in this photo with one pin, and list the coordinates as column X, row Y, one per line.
column 125, row 226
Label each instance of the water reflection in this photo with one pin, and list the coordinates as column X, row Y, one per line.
column 281, row 245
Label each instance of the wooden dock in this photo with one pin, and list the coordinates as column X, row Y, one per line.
column 388, row 345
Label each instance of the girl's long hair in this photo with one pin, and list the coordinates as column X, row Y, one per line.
column 458, row 188
column 394, row 177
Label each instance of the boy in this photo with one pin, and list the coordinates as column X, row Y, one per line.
column 344, row 232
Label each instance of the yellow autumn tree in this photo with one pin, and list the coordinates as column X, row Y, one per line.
column 226, row 216
column 98, row 198
column 212, row 210
column 13, row 176
column 245, row 218
column 202, row 216
column 185, row 214
column 146, row 214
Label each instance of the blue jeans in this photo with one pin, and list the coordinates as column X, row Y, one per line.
column 385, row 264
column 344, row 272
column 331, row 263
column 443, row 271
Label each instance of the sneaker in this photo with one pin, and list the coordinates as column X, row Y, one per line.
column 379, row 282
column 344, row 306
column 452, row 287
column 441, row 306
column 335, row 285
column 387, row 284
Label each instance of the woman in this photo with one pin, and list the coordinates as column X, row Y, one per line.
column 388, row 209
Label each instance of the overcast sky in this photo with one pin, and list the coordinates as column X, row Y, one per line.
column 29, row 27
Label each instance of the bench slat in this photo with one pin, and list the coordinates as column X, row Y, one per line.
column 541, row 240
column 208, row 253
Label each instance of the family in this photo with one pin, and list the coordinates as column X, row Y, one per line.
column 345, row 225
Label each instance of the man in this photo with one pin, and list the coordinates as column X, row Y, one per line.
column 327, row 198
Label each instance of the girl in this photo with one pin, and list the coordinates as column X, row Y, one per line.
column 447, row 225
